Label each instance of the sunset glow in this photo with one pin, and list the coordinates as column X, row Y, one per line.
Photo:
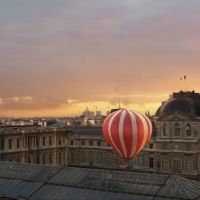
column 57, row 57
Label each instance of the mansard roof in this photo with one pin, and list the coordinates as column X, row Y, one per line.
column 39, row 182
column 187, row 103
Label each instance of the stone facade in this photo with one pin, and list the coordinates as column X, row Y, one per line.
column 178, row 144
column 177, row 156
column 174, row 148
column 33, row 145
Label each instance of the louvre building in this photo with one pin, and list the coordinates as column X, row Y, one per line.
column 173, row 149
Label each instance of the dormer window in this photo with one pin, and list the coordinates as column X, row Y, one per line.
column 165, row 130
column 177, row 129
column 188, row 130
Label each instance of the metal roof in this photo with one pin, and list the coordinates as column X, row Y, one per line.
column 51, row 192
column 14, row 188
column 52, row 182
column 87, row 131
column 124, row 181
column 187, row 103
column 29, row 172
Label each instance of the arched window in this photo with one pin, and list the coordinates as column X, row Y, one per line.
column 165, row 130
column 188, row 130
column 177, row 129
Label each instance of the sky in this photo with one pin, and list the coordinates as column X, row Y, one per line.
column 57, row 57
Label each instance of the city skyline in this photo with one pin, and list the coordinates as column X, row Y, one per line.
column 59, row 57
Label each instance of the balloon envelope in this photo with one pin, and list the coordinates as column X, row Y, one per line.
column 127, row 132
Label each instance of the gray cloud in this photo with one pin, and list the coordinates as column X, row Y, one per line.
column 30, row 104
column 86, row 50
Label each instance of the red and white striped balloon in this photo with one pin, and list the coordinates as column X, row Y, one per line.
column 127, row 132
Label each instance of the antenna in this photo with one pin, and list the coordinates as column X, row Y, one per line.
column 119, row 103
column 185, row 77
column 96, row 109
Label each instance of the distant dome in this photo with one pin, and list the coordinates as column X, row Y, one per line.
column 187, row 103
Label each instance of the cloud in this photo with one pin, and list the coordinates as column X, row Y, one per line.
column 29, row 104
column 136, row 98
column 77, row 51
column 23, row 99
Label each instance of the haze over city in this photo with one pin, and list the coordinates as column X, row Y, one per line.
column 57, row 57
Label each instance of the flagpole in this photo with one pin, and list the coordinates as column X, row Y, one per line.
column 181, row 82
column 185, row 83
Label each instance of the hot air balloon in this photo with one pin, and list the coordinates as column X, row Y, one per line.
column 127, row 132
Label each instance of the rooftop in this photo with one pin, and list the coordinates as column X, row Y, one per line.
column 87, row 131
column 36, row 182
column 187, row 103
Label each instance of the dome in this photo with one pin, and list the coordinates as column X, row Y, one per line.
column 187, row 103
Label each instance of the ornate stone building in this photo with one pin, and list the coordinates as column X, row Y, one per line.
column 178, row 134
column 173, row 149
column 38, row 145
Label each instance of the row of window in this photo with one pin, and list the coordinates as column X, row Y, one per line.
column 47, row 158
column 141, row 162
column 177, row 130
column 176, row 165
column 86, row 143
column 45, row 141
column 31, row 142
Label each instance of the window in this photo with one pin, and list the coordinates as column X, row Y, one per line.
column 43, row 141
column 50, row 158
column 140, row 162
column 72, row 157
column 38, row 159
column 83, row 142
column 29, row 142
column 60, row 141
column 151, row 146
column 97, row 157
column 72, row 142
column 151, row 162
column 10, row 143
column 29, row 159
column 18, row 143
column 82, row 156
column 2, row 144
column 165, row 164
column 60, row 157
column 43, row 159
column 90, row 142
column 18, row 159
column 188, row 130
column 189, row 165
column 177, row 129
column 101, row 157
column 188, row 147
column 98, row 143
column 165, row 130
column 177, row 166
column 50, row 141
column 37, row 142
